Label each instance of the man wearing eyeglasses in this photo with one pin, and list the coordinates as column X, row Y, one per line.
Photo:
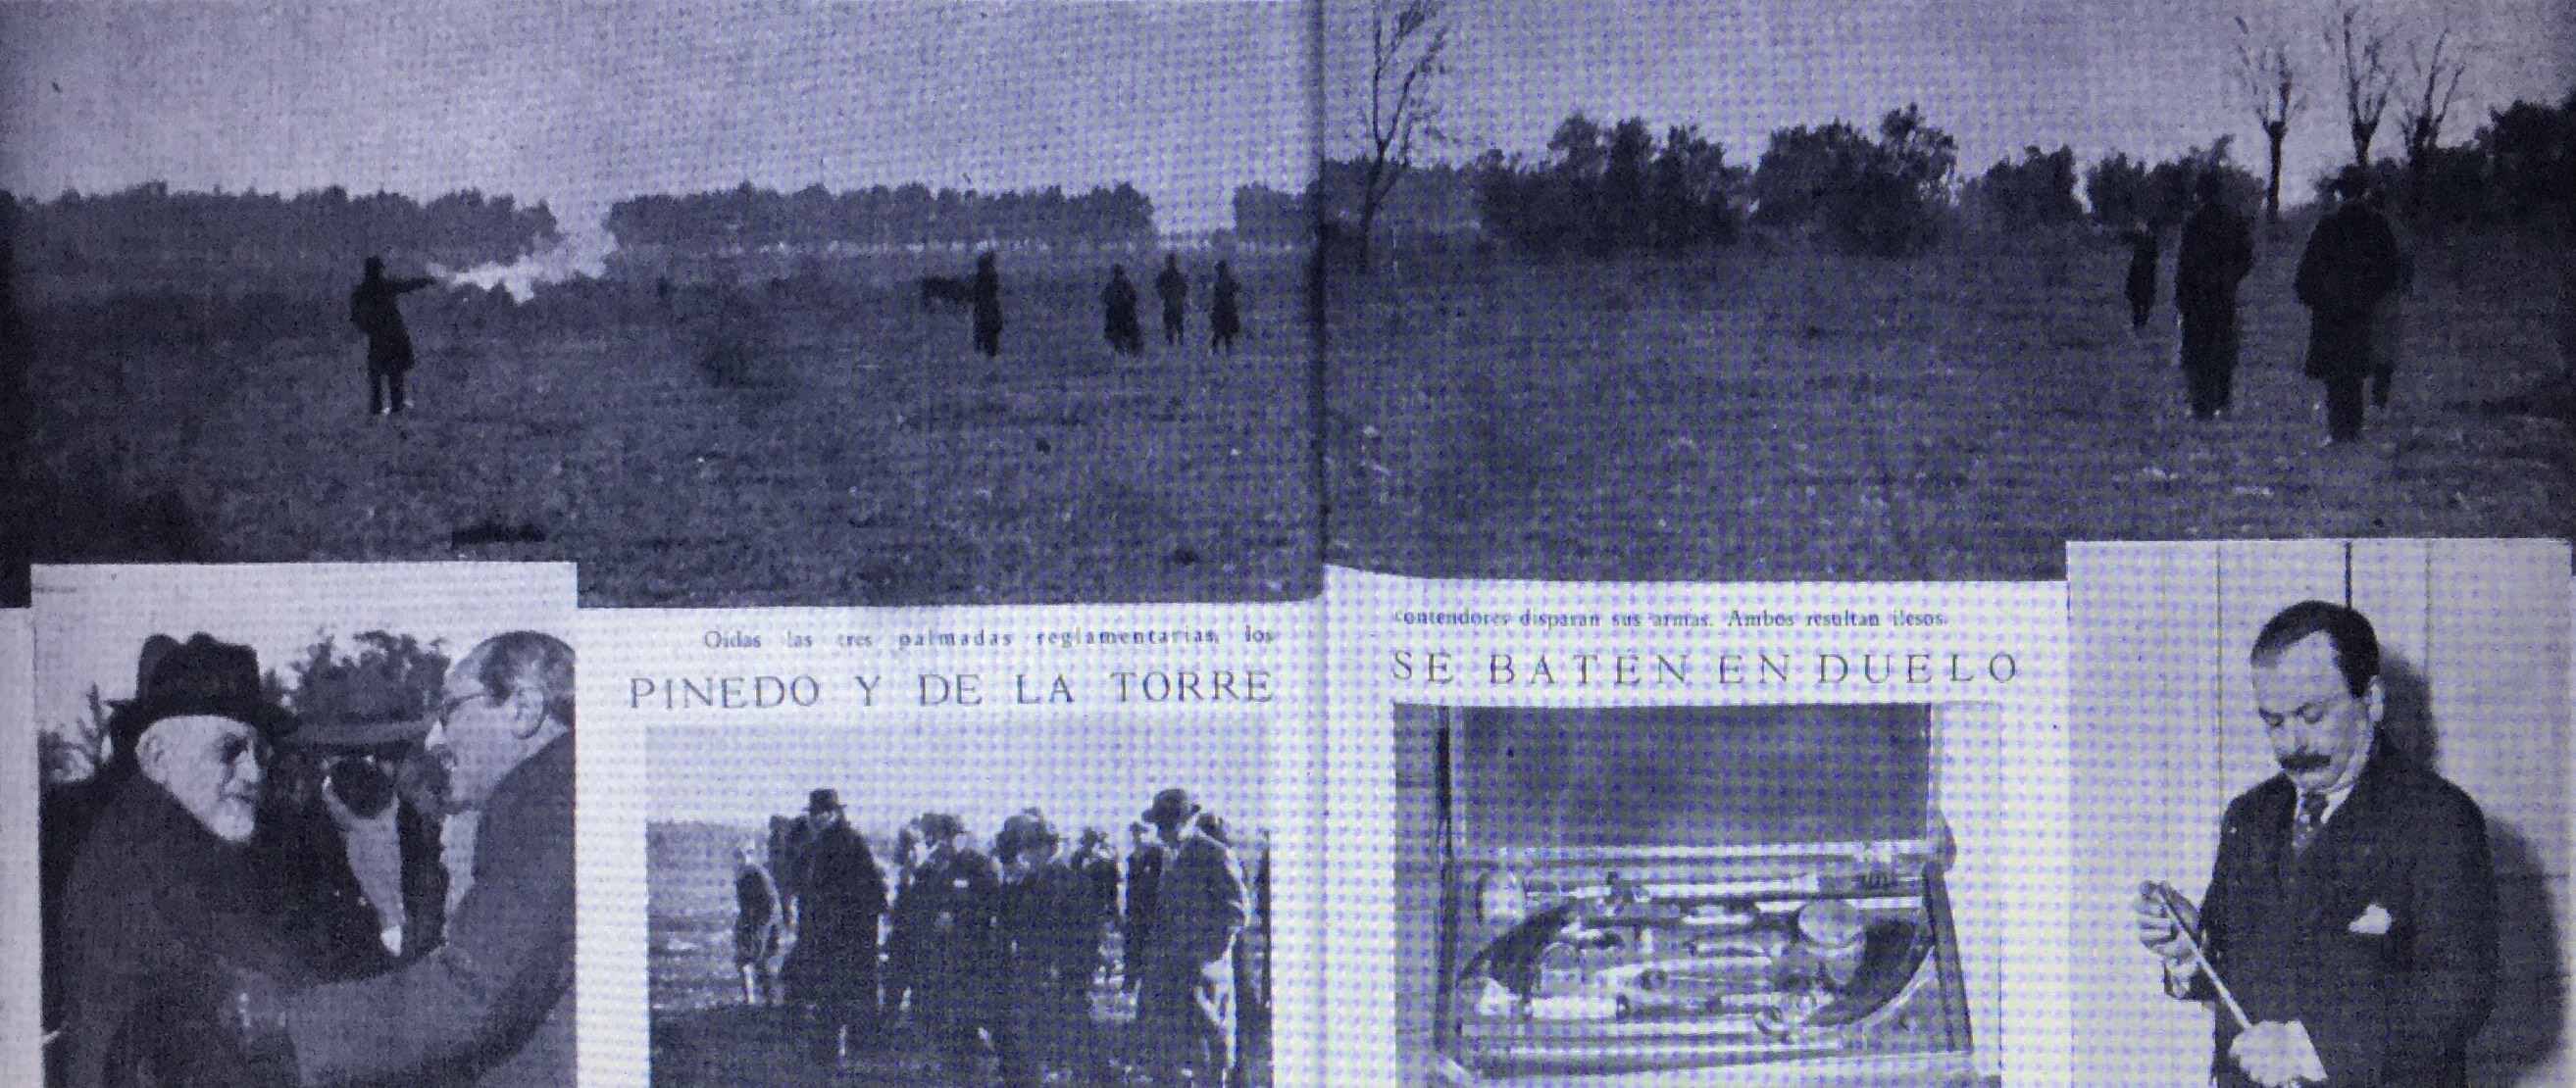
column 491, row 1006
column 2351, row 913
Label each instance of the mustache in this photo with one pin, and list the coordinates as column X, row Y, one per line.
column 2302, row 762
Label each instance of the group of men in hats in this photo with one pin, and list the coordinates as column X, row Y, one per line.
column 240, row 896
column 1000, row 950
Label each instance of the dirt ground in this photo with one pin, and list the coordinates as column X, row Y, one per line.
column 1769, row 413
column 815, row 438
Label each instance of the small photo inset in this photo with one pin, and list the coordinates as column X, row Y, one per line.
column 306, row 825
column 1686, row 895
column 1082, row 901
column 2320, row 812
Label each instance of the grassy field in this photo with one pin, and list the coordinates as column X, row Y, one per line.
column 1769, row 413
column 812, row 438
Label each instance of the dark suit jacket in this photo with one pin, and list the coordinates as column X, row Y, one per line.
column 493, row 1006
column 1198, row 907
column 2396, row 1009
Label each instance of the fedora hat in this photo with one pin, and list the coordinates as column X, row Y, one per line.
column 201, row 676
column 823, row 800
column 1170, row 807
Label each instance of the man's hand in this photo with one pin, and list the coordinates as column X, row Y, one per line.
column 2165, row 933
column 257, row 1015
column 2276, row 1054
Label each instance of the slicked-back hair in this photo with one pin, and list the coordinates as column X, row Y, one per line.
column 2356, row 646
column 527, row 657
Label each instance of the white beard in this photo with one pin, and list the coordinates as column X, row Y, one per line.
column 233, row 820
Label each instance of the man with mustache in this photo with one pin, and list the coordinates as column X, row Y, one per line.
column 160, row 910
column 2352, row 909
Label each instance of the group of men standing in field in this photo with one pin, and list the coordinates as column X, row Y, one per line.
column 2349, row 277
column 1003, row 950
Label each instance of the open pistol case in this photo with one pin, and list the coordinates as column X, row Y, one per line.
column 1696, row 895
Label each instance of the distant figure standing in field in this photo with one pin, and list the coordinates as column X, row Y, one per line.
column 2216, row 253
column 372, row 309
column 1175, row 290
column 755, row 926
column 2351, row 263
column 2141, row 240
column 1118, row 301
column 1225, row 317
column 988, row 306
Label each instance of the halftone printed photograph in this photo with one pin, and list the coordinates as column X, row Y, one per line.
column 1730, row 290
column 962, row 902
column 2320, row 817
column 306, row 824
column 732, row 303
column 1684, row 895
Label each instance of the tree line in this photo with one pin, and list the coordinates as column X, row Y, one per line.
column 883, row 216
column 151, row 225
column 1889, row 191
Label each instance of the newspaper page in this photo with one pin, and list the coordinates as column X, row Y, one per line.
column 936, row 846
column 2420, row 688
column 305, row 823
column 21, row 1056
column 1679, row 834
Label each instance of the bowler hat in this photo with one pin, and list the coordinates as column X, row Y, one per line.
column 201, row 676
column 1170, row 807
column 824, row 800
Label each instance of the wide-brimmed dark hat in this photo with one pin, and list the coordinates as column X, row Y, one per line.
column 1170, row 807
column 824, row 800
column 201, row 676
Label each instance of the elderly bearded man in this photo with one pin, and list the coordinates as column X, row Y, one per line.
column 2352, row 909
column 492, row 1006
column 160, row 913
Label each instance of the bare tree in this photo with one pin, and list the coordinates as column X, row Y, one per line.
column 2270, row 83
column 2368, row 81
column 2437, row 69
column 1408, row 42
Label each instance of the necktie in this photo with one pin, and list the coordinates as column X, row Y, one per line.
column 2312, row 818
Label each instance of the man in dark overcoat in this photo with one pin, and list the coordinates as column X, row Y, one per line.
column 2140, row 286
column 1174, row 288
column 1051, row 919
column 831, row 973
column 987, row 297
column 1118, row 313
column 1136, row 931
column 1185, row 1004
column 1225, row 312
column 161, row 914
column 373, row 309
column 2216, row 253
column 2350, row 265
column 957, row 986
column 2352, row 910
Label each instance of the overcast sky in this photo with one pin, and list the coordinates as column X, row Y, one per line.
column 2149, row 77
column 584, row 104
